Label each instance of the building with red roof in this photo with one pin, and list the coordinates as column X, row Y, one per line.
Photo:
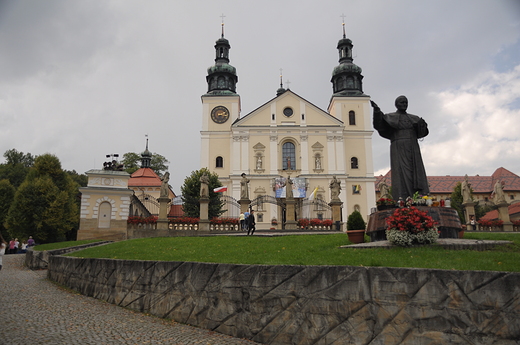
column 146, row 184
column 441, row 187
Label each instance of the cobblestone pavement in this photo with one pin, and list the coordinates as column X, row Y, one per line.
column 36, row 311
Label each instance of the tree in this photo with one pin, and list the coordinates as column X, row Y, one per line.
column 456, row 201
column 44, row 205
column 132, row 162
column 80, row 179
column 16, row 167
column 7, row 192
column 13, row 157
column 191, row 194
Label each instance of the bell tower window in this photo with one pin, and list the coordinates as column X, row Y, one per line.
column 219, row 162
column 354, row 163
column 352, row 118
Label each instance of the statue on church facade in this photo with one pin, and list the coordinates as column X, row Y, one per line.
column 244, row 191
column 335, row 188
column 258, row 162
column 403, row 130
column 204, row 186
column 165, row 189
column 317, row 162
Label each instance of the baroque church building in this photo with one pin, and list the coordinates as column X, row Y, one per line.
column 289, row 136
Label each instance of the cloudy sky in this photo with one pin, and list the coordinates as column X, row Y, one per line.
column 82, row 79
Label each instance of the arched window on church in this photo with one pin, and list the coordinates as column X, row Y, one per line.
column 288, row 156
column 352, row 118
column 219, row 162
column 354, row 163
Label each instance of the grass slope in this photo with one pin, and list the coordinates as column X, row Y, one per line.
column 310, row 250
column 60, row 245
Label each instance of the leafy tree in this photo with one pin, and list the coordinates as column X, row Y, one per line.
column 6, row 198
column 191, row 194
column 44, row 205
column 13, row 157
column 456, row 201
column 481, row 210
column 80, row 179
column 132, row 162
column 16, row 167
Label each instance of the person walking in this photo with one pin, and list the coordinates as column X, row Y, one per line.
column 251, row 223
column 3, row 246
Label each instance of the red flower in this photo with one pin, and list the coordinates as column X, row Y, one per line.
column 410, row 219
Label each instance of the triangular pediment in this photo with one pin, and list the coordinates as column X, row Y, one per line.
column 317, row 146
column 259, row 146
column 288, row 110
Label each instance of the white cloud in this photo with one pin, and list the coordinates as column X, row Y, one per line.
column 484, row 134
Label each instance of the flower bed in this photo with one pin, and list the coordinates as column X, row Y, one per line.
column 141, row 220
column 409, row 226
column 314, row 223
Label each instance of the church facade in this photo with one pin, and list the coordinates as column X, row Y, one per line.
column 289, row 136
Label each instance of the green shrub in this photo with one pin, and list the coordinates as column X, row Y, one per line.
column 355, row 221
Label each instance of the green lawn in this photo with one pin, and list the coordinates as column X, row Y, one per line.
column 310, row 250
column 60, row 245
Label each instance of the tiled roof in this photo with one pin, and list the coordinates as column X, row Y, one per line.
column 513, row 210
column 480, row 184
column 144, row 177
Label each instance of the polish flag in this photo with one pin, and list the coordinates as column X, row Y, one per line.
column 220, row 189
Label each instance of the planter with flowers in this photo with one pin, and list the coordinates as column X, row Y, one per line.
column 303, row 223
column 356, row 227
column 274, row 224
column 408, row 226
column 385, row 204
column 137, row 222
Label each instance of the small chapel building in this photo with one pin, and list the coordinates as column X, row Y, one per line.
column 288, row 136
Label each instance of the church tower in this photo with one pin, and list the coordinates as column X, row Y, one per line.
column 350, row 105
column 220, row 108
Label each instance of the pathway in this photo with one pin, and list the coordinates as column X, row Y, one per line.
column 36, row 311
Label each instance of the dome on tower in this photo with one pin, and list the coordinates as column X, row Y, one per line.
column 346, row 77
column 222, row 77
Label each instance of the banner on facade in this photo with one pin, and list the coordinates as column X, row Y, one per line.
column 299, row 187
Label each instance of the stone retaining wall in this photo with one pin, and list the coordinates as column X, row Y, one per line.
column 309, row 304
column 38, row 260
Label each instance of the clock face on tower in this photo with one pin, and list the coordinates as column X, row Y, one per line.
column 220, row 114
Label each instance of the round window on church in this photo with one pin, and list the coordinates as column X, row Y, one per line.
column 288, row 111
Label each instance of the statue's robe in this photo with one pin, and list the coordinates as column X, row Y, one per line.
column 403, row 130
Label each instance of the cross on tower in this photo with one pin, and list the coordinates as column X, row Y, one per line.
column 222, row 16
column 343, row 23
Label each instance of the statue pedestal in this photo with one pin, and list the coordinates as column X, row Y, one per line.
column 503, row 215
column 336, row 205
column 162, row 221
column 469, row 211
column 244, row 205
column 290, row 222
column 204, row 221
column 447, row 218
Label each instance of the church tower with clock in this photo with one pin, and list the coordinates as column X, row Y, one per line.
column 221, row 107
column 290, row 137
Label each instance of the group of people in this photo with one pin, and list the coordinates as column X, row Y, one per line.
column 247, row 222
column 14, row 246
